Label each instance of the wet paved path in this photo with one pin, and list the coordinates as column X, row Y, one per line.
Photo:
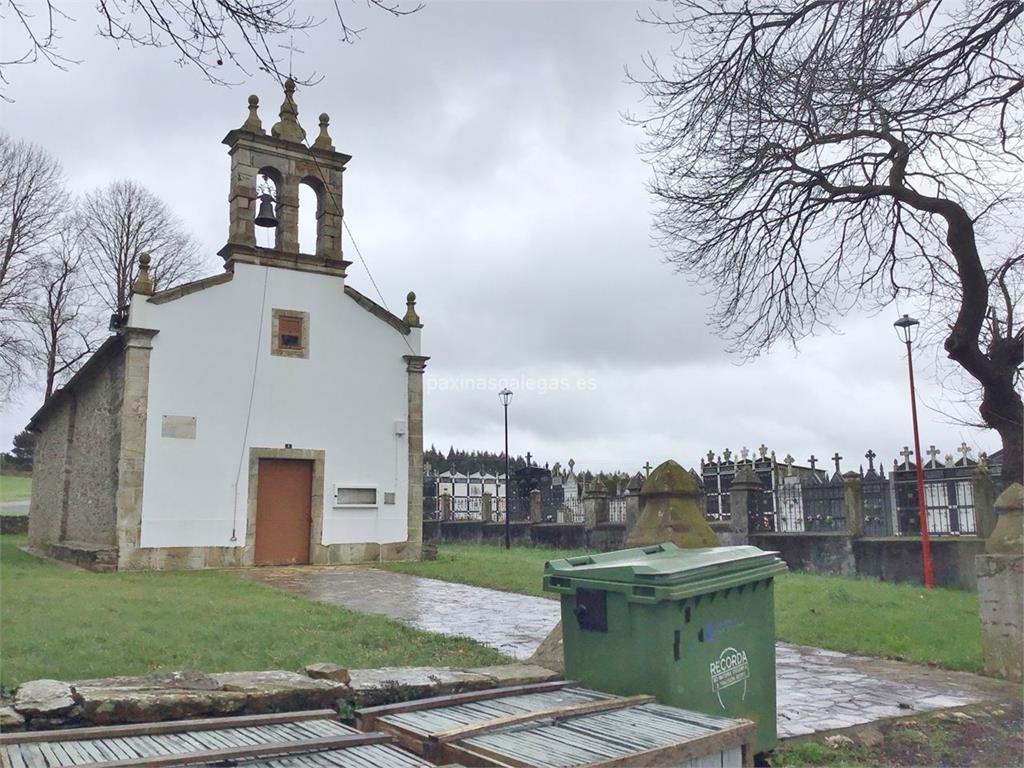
column 818, row 690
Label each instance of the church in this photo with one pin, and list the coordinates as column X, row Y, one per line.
column 267, row 415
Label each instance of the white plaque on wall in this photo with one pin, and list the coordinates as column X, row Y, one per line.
column 183, row 427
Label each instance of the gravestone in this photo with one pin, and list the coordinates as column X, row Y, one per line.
column 486, row 510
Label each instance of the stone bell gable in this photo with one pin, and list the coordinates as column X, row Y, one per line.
column 287, row 160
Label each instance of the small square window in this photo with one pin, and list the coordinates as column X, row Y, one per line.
column 290, row 333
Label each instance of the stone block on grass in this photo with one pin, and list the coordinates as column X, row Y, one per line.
column 277, row 690
column 328, row 671
column 44, row 698
column 386, row 685
column 113, row 706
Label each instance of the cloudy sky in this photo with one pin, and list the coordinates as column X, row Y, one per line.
column 493, row 174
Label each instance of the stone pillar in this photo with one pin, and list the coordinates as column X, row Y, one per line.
column 1001, row 589
column 328, row 217
column 287, row 211
column 595, row 505
column 535, row 509
column 486, row 509
column 853, row 503
column 131, row 459
column 670, row 512
column 984, row 501
column 742, row 501
column 632, row 511
column 446, row 507
column 415, row 365
column 242, row 229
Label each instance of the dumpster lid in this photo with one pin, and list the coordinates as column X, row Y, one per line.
column 662, row 564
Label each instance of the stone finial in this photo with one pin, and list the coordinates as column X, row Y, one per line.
column 288, row 127
column 252, row 123
column 143, row 285
column 411, row 318
column 323, row 141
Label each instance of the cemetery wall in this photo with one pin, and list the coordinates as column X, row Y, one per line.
column 888, row 559
column 899, row 559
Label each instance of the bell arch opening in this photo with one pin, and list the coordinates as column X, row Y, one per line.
column 310, row 208
column 268, row 182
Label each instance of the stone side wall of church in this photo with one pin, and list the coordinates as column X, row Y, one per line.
column 75, row 476
column 92, row 511
column 46, row 507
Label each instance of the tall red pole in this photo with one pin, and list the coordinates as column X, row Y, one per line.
column 926, row 549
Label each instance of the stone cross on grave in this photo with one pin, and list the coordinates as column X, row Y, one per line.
column 572, row 463
column 813, row 461
column 949, row 459
column 836, row 458
column 763, row 450
column 647, row 469
column 870, row 456
column 789, row 465
column 906, row 453
column 744, row 452
column 965, row 450
column 528, row 457
column 726, row 455
column 933, row 452
column 711, row 457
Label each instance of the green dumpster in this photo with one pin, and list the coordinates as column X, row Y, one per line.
column 693, row 627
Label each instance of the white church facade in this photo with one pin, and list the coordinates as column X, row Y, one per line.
column 268, row 415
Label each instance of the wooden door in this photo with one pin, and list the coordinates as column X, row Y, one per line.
column 284, row 489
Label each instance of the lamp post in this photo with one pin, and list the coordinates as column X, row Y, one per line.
column 906, row 328
column 506, row 398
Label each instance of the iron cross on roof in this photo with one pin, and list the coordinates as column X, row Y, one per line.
column 291, row 50
column 528, row 457
column 870, row 456
column 813, row 461
column 647, row 469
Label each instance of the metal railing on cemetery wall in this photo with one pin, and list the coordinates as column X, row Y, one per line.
column 808, row 499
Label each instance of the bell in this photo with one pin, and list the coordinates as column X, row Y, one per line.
column 266, row 217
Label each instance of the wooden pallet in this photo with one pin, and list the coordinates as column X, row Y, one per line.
column 560, row 725
column 288, row 740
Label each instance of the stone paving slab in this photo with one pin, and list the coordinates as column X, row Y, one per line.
column 817, row 689
column 514, row 624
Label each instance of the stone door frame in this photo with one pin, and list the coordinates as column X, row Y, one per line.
column 316, row 504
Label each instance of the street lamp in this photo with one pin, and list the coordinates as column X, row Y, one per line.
column 506, row 398
column 907, row 327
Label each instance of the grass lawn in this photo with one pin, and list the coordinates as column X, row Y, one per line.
column 15, row 487
column 67, row 624
column 863, row 616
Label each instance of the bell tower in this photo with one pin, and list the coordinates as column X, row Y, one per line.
column 287, row 160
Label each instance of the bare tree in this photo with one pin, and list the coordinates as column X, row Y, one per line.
column 812, row 156
column 246, row 35
column 65, row 327
column 32, row 200
column 121, row 221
